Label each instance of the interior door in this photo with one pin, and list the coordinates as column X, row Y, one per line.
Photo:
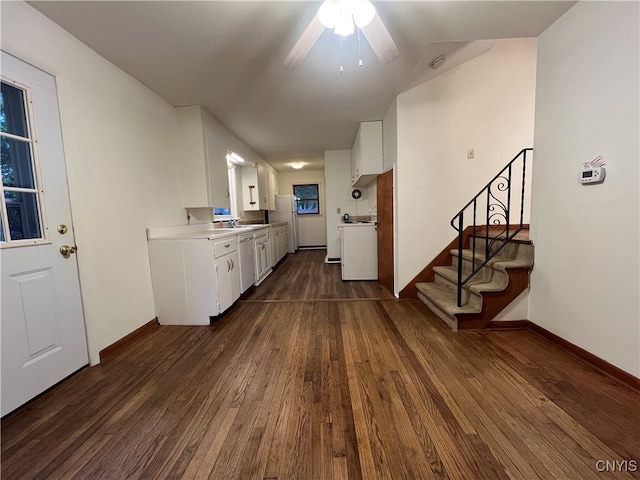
column 42, row 329
column 384, row 202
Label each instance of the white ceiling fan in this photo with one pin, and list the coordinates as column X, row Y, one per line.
column 341, row 16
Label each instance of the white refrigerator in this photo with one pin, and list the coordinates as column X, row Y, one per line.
column 286, row 212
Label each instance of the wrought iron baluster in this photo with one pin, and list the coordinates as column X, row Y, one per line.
column 460, row 245
column 473, row 253
column 496, row 212
column 508, row 202
column 486, row 227
column 524, row 173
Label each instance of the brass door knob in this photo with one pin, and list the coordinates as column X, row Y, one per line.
column 66, row 250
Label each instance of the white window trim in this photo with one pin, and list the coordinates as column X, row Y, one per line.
column 35, row 166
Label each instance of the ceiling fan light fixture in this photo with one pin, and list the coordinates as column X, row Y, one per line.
column 344, row 24
column 341, row 14
column 328, row 13
column 363, row 12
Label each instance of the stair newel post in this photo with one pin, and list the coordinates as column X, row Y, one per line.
column 460, row 245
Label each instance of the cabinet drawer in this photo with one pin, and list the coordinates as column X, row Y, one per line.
column 224, row 246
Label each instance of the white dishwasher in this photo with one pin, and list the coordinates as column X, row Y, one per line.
column 247, row 264
column 359, row 256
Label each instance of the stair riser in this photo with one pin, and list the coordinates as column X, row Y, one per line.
column 451, row 320
column 511, row 250
column 451, row 287
column 484, row 274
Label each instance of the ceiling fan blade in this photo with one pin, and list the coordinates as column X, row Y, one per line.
column 380, row 40
column 307, row 40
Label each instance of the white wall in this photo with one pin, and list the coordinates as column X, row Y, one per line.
column 390, row 137
column 337, row 174
column 120, row 151
column 585, row 283
column 312, row 228
column 486, row 104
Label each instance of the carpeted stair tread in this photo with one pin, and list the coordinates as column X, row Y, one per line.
column 476, row 284
column 493, row 278
column 443, row 298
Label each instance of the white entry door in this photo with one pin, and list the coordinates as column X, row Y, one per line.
column 42, row 324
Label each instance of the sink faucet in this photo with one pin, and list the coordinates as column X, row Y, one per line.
column 233, row 222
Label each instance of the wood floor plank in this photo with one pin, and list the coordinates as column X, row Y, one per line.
column 310, row 377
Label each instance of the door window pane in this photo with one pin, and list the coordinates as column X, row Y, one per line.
column 22, row 215
column 17, row 170
column 13, row 118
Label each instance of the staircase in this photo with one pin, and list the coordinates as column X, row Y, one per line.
column 489, row 291
column 491, row 264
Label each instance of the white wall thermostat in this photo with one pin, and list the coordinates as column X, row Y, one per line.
column 592, row 175
column 593, row 171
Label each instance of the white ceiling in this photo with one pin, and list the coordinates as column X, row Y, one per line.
column 227, row 56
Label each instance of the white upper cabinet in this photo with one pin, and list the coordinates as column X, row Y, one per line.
column 273, row 187
column 203, row 162
column 259, row 187
column 366, row 154
column 255, row 186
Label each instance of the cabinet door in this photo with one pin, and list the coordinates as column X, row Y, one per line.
column 275, row 246
column 285, row 240
column 371, row 148
column 262, row 258
column 250, row 188
column 235, row 276
column 216, row 159
column 263, row 188
column 273, row 188
column 228, row 280
column 225, row 287
column 193, row 168
column 356, row 158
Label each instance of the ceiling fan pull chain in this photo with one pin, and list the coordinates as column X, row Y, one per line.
column 359, row 55
column 341, row 69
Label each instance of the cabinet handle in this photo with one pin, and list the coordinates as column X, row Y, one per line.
column 233, row 265
column 228, row 266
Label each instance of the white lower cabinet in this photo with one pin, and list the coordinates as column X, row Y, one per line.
column 227, row 271
column 193, row 279
column 262, row 246
column 280, row 243
column 246, row 252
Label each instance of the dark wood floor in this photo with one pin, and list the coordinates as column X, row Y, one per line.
column 309, row 377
